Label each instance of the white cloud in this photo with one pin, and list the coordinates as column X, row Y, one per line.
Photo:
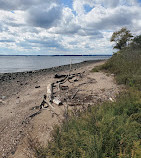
column 48, row 27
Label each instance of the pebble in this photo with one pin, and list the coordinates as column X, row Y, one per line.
column 37, row 86
column 3, row 97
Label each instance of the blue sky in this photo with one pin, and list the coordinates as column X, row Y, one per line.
column 48, row 27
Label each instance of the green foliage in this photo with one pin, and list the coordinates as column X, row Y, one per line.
column 137, row 41
column 126, row 65
column 121, row 38
column 96, row 69
column 111, row 130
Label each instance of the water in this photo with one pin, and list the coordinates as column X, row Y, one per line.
column 27, row 63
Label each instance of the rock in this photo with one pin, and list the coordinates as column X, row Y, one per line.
column 75, row 80
column 3, row 97
column 37, row 86
column 2, row 102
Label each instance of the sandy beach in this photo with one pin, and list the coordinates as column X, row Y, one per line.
column 22, row 93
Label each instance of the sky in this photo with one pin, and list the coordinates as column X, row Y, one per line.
column 54, row 27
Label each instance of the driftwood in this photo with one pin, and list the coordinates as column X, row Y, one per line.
column 50, row 91
column 50, row 98
column 57, row 101
column 68, row 77
column 1, row 101
column 59, row 76
column 42, row 105
column 63, row 80
column 36, row 113
column 49, row 104
column 64, row 87
column 75, row 94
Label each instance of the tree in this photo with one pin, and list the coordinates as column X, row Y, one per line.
column 137, row 41
column 121, row 38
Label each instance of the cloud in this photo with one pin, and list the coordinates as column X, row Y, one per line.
column 45, row 42
column 100, row 18
column 90, row 32
column 47, row 26
column 44, row 17
column 21, row 4
column 68, row 24
column 6, row 41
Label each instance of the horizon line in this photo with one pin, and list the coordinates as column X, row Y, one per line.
column 62, row 55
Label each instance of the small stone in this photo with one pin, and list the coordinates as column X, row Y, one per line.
column 3, row 97
column 37, row 86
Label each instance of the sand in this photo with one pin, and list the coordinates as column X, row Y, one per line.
column 22, row 93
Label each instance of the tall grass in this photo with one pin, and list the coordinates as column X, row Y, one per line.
column 126, row 65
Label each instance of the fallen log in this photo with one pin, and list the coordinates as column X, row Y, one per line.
column 50, row 91
column 69, row 77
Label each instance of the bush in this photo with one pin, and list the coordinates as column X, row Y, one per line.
column 126, row 65
column 110, row 130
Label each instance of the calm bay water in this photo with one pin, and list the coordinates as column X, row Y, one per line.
column 28, row 63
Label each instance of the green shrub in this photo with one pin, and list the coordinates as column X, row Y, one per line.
column 126, row 65
column 108, row 130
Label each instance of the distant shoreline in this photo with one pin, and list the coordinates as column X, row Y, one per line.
column 58, row 55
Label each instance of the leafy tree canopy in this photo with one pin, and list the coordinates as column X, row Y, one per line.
column 121, row 38
column 137, row 40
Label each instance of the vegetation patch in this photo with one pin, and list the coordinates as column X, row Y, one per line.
column 126, row 64
column 109, row 130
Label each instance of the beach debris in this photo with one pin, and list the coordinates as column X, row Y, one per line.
column 64, row 87
column 34, row 108
column 43, row 103
column 50, row 91
column 57, row 101
column 111, row 99
column 69, row 77
column 75, row 80
column 59, row 76
column 75, row 94
column 3, row 97
column 37, row 86
column 36, row 113
column 2, row 102
column 63, row 80
column 50, row 105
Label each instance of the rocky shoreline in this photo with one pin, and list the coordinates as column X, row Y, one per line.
column 14, row 75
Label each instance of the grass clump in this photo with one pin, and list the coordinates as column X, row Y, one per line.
column 110, row 130
column 96, row 69
column 126, row 65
